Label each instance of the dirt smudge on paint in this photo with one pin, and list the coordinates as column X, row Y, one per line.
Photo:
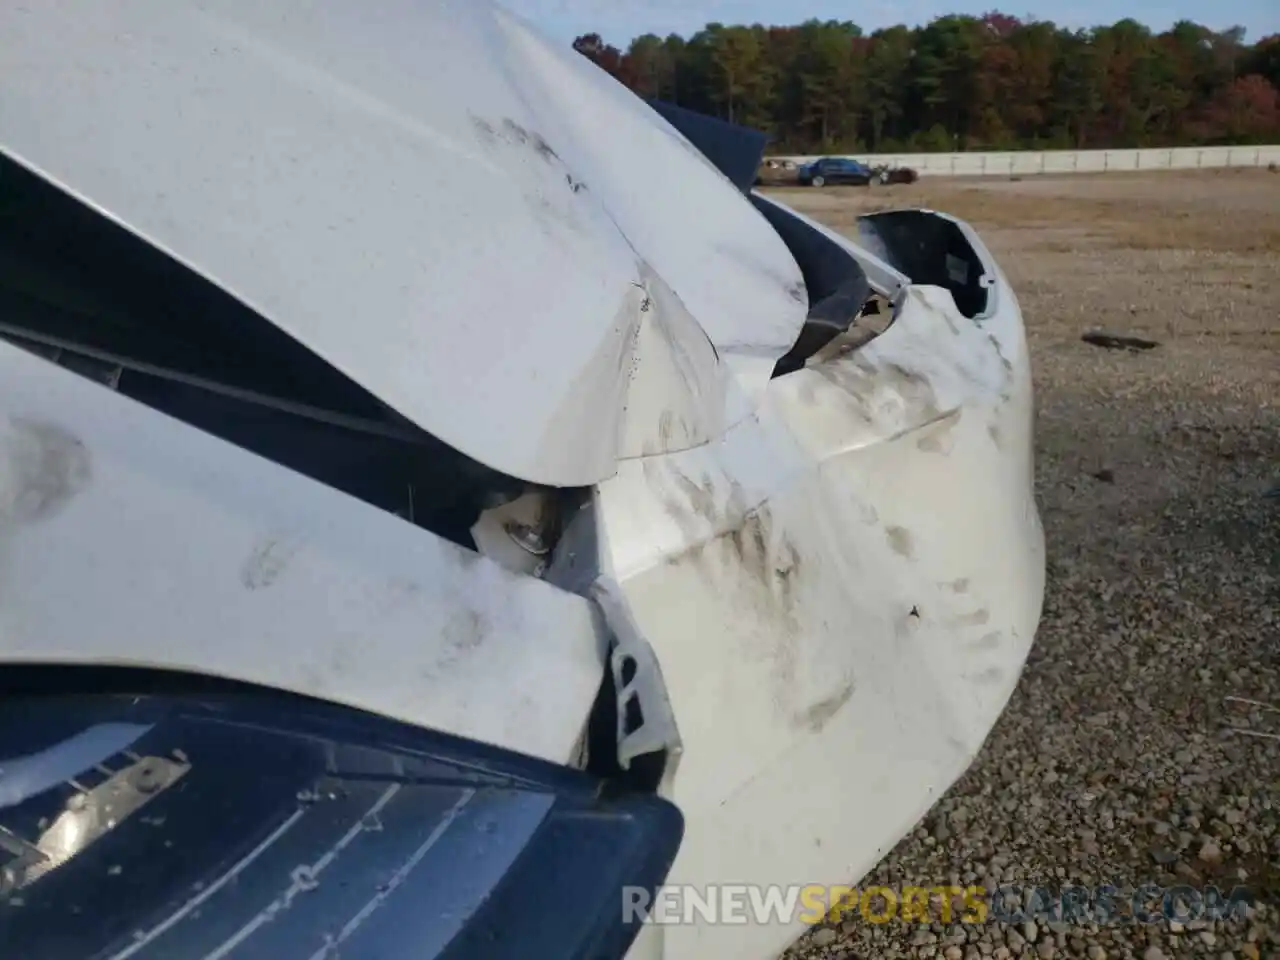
column 820, row 713
column 1004, row 361
column 743, row 553
column 550, row 204
column 989, row 641
column 889, row 396
column 974, row 619
column 462, row 634
column 42, row 468
column 770, row 560
column 940, row 435
column 901, row 541
column 268, row 562
column 932, row 444
column 700, row 497
column 665, row 420
column 397, row 593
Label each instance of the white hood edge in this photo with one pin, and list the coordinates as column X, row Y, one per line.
column 472, row 223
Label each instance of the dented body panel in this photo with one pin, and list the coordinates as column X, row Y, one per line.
column 422, row 195
column 842, row 592
column 821, row 586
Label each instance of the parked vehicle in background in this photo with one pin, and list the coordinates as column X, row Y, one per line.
column 846, row 170
column 887, row 174
column 835, row 170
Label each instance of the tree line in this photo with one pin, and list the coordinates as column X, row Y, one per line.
column 993, row 82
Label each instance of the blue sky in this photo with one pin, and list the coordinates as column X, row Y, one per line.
column 620, row 20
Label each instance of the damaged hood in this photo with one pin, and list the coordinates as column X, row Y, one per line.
column 482, row 229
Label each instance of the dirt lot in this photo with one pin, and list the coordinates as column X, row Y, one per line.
column 1159, row 484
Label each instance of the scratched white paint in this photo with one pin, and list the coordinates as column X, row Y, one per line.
column 836, row 661
column 423, row 193
column 139, row 540
column 840, row 571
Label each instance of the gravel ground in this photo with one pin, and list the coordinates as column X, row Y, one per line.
column 1113, row 762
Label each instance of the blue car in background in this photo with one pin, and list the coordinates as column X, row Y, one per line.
column 834, row 170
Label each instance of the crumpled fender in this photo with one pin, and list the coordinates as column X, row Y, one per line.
column 841, row 593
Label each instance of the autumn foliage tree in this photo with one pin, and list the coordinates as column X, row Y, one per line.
column 1247, row 110
column 962, row 82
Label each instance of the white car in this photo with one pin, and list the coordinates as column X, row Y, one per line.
column 438, row 499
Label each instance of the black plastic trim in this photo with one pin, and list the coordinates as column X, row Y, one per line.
column 837, row 285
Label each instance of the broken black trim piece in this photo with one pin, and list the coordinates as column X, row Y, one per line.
column 837, row 285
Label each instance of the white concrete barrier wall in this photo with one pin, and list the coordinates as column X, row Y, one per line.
column 1030, row 162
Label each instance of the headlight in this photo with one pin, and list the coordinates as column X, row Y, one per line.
column 255, row 824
